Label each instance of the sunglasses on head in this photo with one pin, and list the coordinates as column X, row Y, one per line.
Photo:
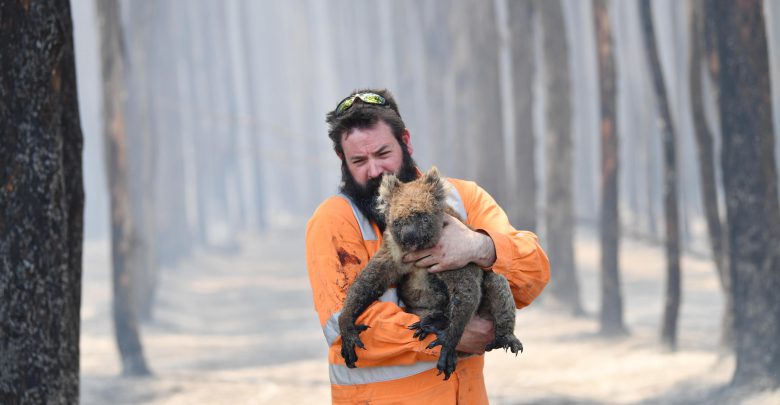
column 368, row 98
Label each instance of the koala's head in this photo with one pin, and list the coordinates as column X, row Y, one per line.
column 414, row 211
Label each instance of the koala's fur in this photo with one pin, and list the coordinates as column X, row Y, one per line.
column 444, row 301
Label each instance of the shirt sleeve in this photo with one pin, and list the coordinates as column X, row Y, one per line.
column 335, row 254
column 519, row 257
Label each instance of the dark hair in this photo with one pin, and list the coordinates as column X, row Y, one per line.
column 363, row 115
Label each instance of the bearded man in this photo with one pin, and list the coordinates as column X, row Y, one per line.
column 345, row 231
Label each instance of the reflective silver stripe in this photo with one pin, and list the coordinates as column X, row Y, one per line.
column 454, row 201
column 342, row 375
column 331, row 328
column 365, row 225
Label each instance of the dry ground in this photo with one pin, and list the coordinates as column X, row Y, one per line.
column 239, row 328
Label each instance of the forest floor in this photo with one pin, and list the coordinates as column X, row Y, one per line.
column 239, row 328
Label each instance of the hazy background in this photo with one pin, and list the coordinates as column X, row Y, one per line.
column 228, row 156
column 305, row 56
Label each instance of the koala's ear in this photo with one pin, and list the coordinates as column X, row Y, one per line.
column 389, row 184
column 432, row 176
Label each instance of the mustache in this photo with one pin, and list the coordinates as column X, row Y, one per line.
column 365, row 196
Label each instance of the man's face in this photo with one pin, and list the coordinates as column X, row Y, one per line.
column 368, row 154
column 371, row 152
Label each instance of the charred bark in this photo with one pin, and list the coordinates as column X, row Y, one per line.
column 559, row 210
column 750, row 186
column 255, row 141
column 125, row 255
column 143, row 145
column 41, row 205
column 706, row 154
column 475, row 60
column 672, row 245
column 611, row 317
column 522, row 207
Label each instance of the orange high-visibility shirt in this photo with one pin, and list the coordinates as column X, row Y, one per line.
column 396, row 367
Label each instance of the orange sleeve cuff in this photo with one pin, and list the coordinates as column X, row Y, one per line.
column 521, row 259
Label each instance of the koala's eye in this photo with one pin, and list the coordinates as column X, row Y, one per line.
column 420, row 217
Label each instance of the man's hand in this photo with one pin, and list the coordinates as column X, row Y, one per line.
column 457, row 247
column 478, row 334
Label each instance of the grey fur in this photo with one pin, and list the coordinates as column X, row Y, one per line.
column 444, row 301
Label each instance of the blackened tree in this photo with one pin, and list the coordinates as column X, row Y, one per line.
column 125, row 253
column 706, row 153
column 750, row 187
column 611, row 317
column 672, row 240
column 41, row 205
column 559, row 212
column 522, row 207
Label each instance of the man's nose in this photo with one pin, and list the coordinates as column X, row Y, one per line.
column 374, row 170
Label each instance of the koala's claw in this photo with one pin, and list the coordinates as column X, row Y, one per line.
column 419, row 332
column 423, row 328
column 508, row 343
column 436, row 342
column 447, row 361
column 348, row 342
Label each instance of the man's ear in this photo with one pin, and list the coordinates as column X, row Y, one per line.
column 386, row 190
column 406, row 137
column 340, row 155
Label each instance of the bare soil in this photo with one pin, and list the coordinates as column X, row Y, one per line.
column 238, row 327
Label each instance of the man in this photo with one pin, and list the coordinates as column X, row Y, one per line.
column 345, row 231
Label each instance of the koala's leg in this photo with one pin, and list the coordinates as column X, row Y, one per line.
column 465, row 292
column 499, row 306
column 379, row 274
column 426, row 296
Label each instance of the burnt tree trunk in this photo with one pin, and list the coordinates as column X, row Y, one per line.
column 439, row 82
column 172, row 94
column 475, row 60
column 611, row 317
column 706, row 153
column 125, row 255
column 522, row 207
column 249, row 46
column 559, row 212
column 142, row 146
column 672, row 299
column 750, row 186
column 41, row 205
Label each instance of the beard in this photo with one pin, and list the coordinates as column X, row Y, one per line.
column 365, row 197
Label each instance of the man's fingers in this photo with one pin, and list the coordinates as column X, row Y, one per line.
column 426, row 261
column 416, row 255
column 434, row 269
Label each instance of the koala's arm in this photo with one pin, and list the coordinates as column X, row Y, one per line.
column 335, row 254
column 380, row 273
column 519, row 257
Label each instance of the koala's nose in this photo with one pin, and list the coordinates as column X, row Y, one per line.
column 411, row 231
column 408, row 235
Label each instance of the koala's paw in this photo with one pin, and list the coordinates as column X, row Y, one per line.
column 432, row 324
column 350, row 339
column 508, row 342
column 447, row 361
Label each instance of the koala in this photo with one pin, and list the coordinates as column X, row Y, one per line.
column 444, row 301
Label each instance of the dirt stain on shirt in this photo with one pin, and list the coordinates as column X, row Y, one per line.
column 346, row 258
